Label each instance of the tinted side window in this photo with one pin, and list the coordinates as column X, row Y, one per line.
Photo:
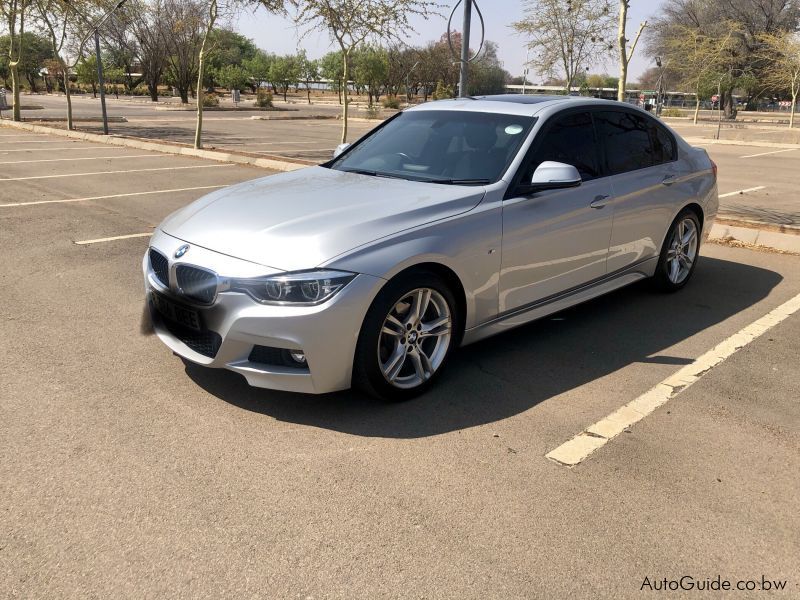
column 626, row 138
column 663, row 144
column 568, row 139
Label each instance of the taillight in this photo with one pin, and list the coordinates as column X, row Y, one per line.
column 714, row 168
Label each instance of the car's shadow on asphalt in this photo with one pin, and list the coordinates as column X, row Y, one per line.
column 512, row 372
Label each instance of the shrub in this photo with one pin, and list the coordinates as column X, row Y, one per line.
column 442, row 91
column 392, row 102
column 373, row 112
column 672, row 112
column 210, row 100
column 263, row 98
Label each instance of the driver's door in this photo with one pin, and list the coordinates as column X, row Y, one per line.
column 556, row 240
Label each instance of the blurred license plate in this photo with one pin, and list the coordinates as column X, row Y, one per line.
column 175, row 312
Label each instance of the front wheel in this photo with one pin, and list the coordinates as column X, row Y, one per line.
column 406, row 338
column 680, row 252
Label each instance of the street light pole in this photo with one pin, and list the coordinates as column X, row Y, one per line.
column 408, row 87
column 463, row 79
column 525, row 69
column 100, row 81
column 98, row 58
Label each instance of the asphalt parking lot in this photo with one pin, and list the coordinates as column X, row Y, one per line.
column 294, row 131
column 767, row 173
column 126, row 473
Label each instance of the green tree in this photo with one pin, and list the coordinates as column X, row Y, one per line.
column 350, row 23
column 330, row 67
column 258, row 67
column 37, row 50
column 370, row 68
column 285, row 71
column 487, row 75
column 229, row 49
column 233, row 77
column 783, row 74
column 309, row 71
column 86, row 72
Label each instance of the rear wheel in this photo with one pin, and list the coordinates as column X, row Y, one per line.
column 680, row 252
column 406, row 337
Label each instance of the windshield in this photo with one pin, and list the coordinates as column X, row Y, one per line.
column 440, row 146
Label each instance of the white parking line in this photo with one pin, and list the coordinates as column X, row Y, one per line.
column 280, row 143
column 116, row 237
column 66, row 200
column 40, row 142
column 113, row 172
column 737, row 192
column 44, row 160
column 73, row 148
column 575, row 450
column 765, row 153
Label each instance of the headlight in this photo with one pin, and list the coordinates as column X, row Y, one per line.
column 308, row 288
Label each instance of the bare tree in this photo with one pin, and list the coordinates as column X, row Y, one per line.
column 55, row 18
column 13, row 12
column 147, row 23
column 744, row 60
column 564, row 36
column 782, row 51
column 351, row 22
column 698, row 59
column 211, row 20
column 625, row 53
column 184, row 23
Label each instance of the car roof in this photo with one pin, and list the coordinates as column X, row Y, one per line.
column 516, row 104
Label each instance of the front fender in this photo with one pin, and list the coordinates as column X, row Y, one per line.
column 468, row 244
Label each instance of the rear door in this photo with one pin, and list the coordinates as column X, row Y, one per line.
column 640, row 156
column 558, row 239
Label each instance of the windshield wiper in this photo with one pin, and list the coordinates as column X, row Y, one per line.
column 361, row 172
column 461, row 181
column 371, row 173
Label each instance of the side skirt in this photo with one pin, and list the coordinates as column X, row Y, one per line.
column 553, row 304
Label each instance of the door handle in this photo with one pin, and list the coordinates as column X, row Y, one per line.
column 669, row 179
column 600, row 201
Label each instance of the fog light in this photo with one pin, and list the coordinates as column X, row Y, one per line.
column 298, row 356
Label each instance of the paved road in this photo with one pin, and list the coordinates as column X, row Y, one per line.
column 127, row 474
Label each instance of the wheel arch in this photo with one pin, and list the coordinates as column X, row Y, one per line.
column 695, row 208
column 453, row 281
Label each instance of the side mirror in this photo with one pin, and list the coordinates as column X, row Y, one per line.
column 551, row 175
column 339, row 149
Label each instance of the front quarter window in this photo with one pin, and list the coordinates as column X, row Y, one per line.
column 440, row 146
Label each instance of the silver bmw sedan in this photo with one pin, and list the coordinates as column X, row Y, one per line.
column 450, row 222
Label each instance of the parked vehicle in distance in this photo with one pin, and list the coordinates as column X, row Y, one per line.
column 451, row 221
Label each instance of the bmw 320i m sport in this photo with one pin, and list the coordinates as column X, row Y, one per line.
column 450, row 222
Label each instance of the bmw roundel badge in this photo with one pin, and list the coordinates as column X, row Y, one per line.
column 181, row 251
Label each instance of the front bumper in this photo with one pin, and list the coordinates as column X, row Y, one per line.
column 326, row 333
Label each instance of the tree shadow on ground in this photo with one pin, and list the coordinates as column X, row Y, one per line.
column 512, row 372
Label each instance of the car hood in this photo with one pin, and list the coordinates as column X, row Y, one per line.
column 301, row 219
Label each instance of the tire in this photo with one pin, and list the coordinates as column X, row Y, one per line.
column 678, row 259
column 400, row 356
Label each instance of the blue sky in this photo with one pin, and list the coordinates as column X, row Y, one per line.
column 279, row 35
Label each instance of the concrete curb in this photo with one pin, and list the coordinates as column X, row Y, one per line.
column 275, row 164
column 786, row 242
column 710, row 141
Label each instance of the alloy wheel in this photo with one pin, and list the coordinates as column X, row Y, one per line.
column 414, row 338
column 682, row 250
